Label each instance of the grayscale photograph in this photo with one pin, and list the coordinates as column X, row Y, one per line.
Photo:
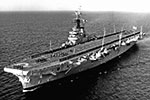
column 74, row 49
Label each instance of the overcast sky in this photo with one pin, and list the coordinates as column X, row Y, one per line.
column 87, row 5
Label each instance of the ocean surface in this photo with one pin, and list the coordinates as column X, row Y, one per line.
column 125, row 78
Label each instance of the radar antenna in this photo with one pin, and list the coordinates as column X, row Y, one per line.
column 78, row 19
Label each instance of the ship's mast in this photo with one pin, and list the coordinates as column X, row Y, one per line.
column 103, row 37
column 120, row 36
column 78, row 19
column 114, row 29
column 141, row 31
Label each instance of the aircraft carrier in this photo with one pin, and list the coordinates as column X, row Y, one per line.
column 80, row 52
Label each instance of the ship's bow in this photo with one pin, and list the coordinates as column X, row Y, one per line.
column 18, row 70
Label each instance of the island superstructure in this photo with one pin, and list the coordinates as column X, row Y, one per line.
column 80, row 52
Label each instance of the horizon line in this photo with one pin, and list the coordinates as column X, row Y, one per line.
column 70, row 11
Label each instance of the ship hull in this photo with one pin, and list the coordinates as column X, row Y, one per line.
column 84, row 66
column 79, row 53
